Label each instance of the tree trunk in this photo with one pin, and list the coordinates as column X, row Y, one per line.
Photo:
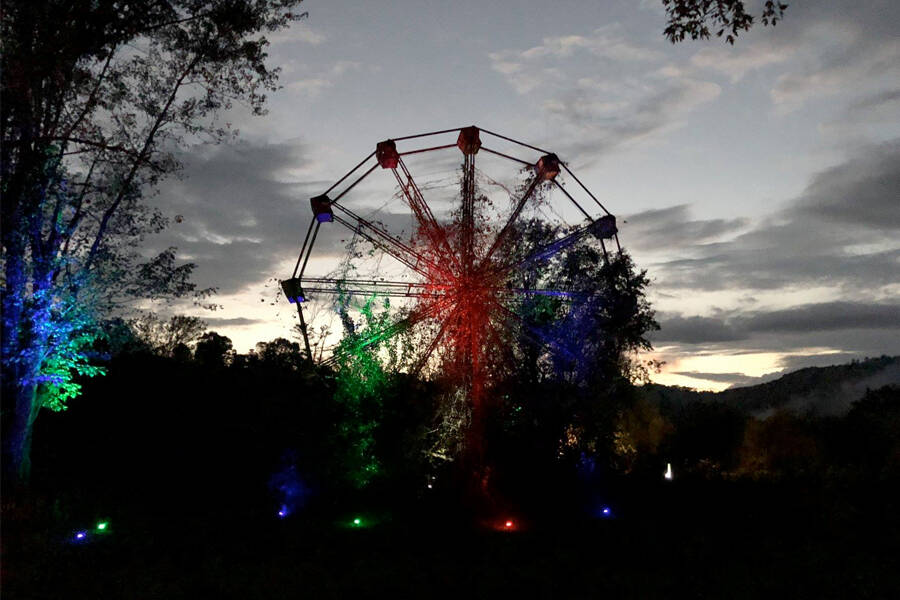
column 18, row 417
column 25, row 335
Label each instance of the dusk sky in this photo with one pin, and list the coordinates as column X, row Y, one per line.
column 758, row 185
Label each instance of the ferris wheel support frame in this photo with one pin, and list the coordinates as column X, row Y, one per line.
column 387, row 156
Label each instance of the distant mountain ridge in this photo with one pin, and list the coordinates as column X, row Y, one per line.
column 820, row 390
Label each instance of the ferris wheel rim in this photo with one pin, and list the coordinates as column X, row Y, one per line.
column 388, row 157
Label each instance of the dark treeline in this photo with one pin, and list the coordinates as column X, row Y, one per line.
column 211, row 431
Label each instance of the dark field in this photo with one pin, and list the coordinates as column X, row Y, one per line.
column 685, row 539
column 192, row 510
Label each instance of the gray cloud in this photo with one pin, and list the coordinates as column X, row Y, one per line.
column 604, row 91
column 859, row 329
column 826, row 316
column 214, row 322
column 672, row 226
column 245, row 209
column 874, row 103
column 597, row 125
column 696, row 330
column 735, row 379
column 841, row 232
column 860, row 48
column 863, row 191
column 242, row 211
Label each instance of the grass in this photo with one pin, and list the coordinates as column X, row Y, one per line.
column 695, row 540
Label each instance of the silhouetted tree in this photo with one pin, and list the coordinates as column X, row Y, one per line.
column 280, row 353
column 585, row 341
column 213, row 350
column 164, row 336
column 96, row 97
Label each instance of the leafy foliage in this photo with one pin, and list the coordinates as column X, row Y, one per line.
column 698, row 19
column 70, row 340
column 362, row 383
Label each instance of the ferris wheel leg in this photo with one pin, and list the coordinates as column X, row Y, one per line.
column 303, row 331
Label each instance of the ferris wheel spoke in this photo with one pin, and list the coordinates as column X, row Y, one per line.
column 370, row 287
column 507, row 228
column 467, row 221
column 433, row 231
column 462, row 309
column 423, row 360
column 383, row 240
column 548, row 251
column 602, row 228
column 386, row 333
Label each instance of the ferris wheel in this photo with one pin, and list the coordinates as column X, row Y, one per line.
column 457, row 262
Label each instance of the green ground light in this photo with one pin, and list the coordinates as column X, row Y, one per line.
column 357, row 522
column 102, row 525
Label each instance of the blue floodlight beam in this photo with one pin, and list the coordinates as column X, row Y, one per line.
column 536, row 334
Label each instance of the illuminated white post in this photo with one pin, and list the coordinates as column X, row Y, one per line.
column 668, row 473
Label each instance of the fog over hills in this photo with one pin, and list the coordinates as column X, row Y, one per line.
column 822, row 391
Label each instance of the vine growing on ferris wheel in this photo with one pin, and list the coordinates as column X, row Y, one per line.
column 539, row 288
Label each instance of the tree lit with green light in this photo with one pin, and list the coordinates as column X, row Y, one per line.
column 362, row 381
